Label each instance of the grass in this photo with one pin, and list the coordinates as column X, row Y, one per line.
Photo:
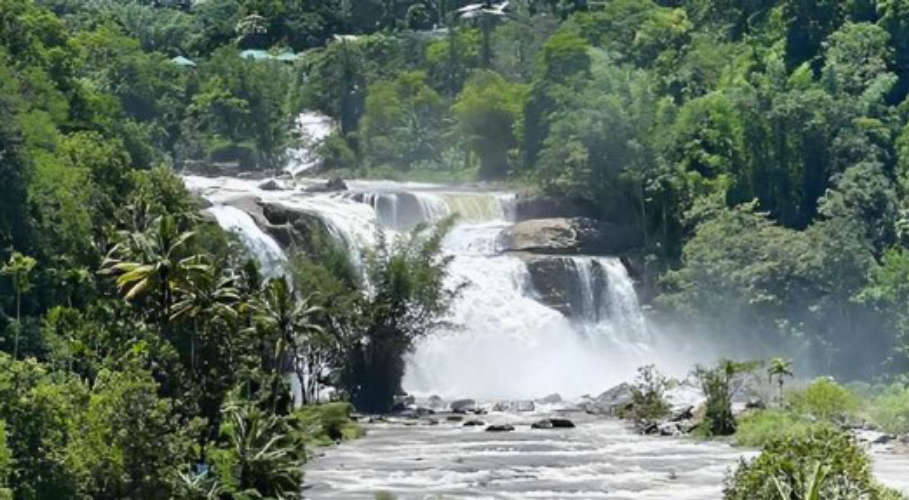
column 327, row 424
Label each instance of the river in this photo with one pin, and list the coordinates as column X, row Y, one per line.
column 507, row 344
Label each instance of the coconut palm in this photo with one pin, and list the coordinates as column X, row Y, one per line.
column 286, row 320
column 151, row 262
column 779, row 368
column 204, row 293
column 18, row 268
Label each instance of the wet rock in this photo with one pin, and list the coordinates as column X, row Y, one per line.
column 463, row 405
column 609, row 403
column 270, row 185
column 755, row 404
column 429, row 421
column 555, row 281
column 553, row 423
column 404, row 399
column 550, row 399
column 290, row 226
column 331, row 185
column 454, row 418
column 474, row 423
column 686, row 413
column 669, row 429
column 435, row 402
column 577, row 235
column 500, row 428
column 647, row 427
column 873, row 437
column 514, row 406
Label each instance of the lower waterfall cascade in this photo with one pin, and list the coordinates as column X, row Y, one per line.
column 506, row 342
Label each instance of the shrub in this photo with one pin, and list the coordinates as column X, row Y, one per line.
column 890, row 410
column 759, row 428
column 824, row 463
column 325, row 424
column 824, row 399
column 717, row 385
column 647, row 401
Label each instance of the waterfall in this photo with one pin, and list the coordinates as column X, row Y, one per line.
column 312, row 129
column 263, row 247
column 506, row 342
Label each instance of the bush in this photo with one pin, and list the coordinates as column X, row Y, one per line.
column 757, row 429
column 717, row 385
column 823, row 464
column 325, row 424
column 824, row 399
column 647, row 401
column 890, row 410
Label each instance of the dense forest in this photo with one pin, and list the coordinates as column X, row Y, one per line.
column 759, row 150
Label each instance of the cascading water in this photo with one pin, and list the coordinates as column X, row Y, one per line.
column 507, row 344
column 264, row 248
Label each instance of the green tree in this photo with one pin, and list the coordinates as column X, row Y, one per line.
column 779, row 368
column 151, row 263
column 19, row 268
column 487, row 111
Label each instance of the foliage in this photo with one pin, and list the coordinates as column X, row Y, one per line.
column 823, row 399
column 718, row 384
column 368, row 330
column 890, row 409
column 328, row 423
column 756, row 429
column 824, row 463
column 647, row 402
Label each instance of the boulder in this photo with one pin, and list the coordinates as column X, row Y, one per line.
column 611, row 402
column 331, row 185
column 270, row 185
column 291, row 226
column 669, row 429
column 474, row 423
column 500, row 428
column 686, row 413
column 463, row 405
column 454, row 418
column 514, row 406
column 755, row 404
column 566, row 236
column 553, row 423
column 550, row 399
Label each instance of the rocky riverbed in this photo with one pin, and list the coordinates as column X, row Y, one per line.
column 435, row 456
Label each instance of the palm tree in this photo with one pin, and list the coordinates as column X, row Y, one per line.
column 151, row 262
column 204, row 293
column 779, row 368
column 267, row 461
column 18, row 269
column 286, row 319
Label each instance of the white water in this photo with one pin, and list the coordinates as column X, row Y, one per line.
column 507, row 344
column 312, row 129
column 264, row 248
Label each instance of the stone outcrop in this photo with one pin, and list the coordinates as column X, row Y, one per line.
column 331, row 185
column 555, row 280
column 609, row 403
column 567, row 236
column 553, row 423
column 290, row 226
